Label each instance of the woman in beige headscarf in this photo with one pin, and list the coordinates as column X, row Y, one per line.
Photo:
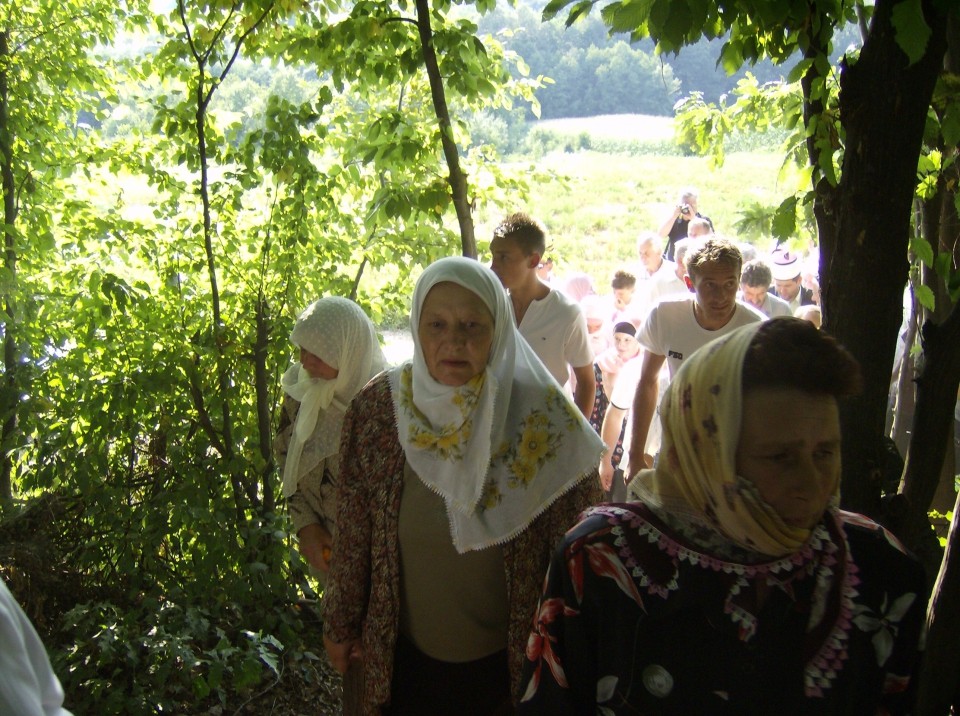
column 339, row 353
column 734, row 585
column 465, row 464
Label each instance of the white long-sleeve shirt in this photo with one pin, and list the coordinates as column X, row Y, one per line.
column 28, row 686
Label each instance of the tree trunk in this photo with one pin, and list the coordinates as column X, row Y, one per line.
column 939, row 688
column 932, row 425
column 261, row 386
column 458, row 182
column 883, row 108
column 940, row 672
column 905, row 399
column 218, row 328
column 936, row 382
column 9, row 392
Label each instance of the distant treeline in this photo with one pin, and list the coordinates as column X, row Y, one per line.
column 594, row 73
column 588, row 73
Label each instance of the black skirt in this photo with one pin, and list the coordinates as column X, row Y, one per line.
column 428, row 686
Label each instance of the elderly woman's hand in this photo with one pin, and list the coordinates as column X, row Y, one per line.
column 316, row 544
column 342, row 653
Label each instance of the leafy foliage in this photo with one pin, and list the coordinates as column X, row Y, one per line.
column 157, row 287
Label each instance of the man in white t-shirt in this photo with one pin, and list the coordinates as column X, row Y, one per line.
column 551, row 323
column 674, row 329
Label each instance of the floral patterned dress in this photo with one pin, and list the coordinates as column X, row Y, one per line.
column 636, row 620
column 600, row 404
column 600, row 400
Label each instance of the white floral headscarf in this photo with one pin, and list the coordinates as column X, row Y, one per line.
column 501, row 448
column 701, row 416
column 338, row 332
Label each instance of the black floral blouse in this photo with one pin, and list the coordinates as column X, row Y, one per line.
column 635, row 620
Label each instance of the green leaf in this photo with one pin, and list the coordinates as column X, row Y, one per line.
column 784, row 224
column 580, row 9
column 954, row 285
column 923, row 250
column 553, row 7
column 910, row 29
column 629, row 15
column 200, row 687
column 950, row 126
column 679, row 23
column 799, row 70
column 731, row 57
column 943, row 265
column 925, row 297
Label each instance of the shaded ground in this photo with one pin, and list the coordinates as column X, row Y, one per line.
column 293, row 695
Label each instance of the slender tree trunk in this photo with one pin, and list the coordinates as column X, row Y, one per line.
column 883, row 106
column 940, row 672
column 940, row 368
column 261, row 383
column 219, row 332
column 9, row 392
column 241, row 486
column 932, row 425
column 458, row 182
column 905, row 401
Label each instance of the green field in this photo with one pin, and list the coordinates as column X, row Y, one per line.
column 616, row 126
column 597, row 204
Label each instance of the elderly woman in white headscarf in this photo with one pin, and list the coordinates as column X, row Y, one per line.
column 466, row 463
column 735, row 584
column 339, row 353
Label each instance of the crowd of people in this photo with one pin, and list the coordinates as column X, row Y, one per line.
column 524, row 526
column 514, row 521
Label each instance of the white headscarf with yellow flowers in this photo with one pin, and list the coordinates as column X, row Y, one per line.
column 501, row 448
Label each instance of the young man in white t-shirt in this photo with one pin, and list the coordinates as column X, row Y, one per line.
column 551, row 323
column 673, row 330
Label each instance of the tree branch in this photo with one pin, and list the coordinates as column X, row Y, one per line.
column 456, row 178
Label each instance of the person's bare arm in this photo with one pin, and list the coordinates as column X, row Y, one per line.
column 644, row 406
column 586, row 389
column 609, row 433
column 668, row 223
column 608, row 380
column 341, row 654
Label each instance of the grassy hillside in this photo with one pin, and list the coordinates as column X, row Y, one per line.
column 597, row 204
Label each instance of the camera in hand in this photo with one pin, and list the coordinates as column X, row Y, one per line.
column 685, row 209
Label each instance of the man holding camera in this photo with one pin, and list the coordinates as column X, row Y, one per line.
column 675, row 226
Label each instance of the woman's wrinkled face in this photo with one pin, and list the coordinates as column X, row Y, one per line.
column 790, row 449
column 456, row 332
column 315, row 367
